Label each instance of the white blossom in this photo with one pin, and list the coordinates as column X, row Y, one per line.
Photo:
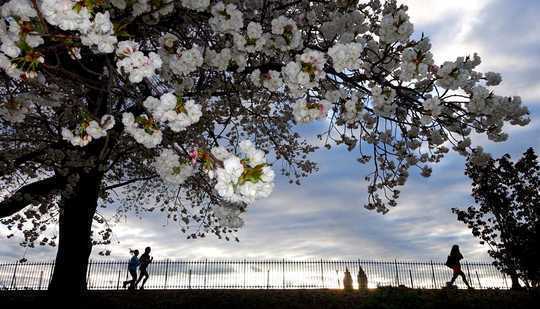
column 171, row 168
column 142, row 130
column 197, row 5
column 244, row 180
column 346, row 56
column 226, row 18
column 88, row 131
column 287, row 35
column 304, row 111
column 134, row 63
column 173, row 111
column 396, row 27
column 229, row 216
column 185, row 62
column 383, row 100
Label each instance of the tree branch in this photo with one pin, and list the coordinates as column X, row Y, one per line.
column 28, row 194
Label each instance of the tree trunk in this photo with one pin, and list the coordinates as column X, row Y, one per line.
column 75, row 228
column 515, row 282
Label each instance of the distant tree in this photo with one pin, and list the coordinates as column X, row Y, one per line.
column 506, row 214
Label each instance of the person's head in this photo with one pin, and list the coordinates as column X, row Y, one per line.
column 147, row 250
column 455, row 250
column 136, row 252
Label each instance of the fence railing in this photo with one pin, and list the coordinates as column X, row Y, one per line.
column 256, row 274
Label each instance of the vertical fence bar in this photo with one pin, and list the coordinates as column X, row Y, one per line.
column 166, row 273
column 468, row 272
column 40, row 279
column 397, row 272
column 14, row 278
column 410, row 276
column 477, row 277
column 205, row 269
column 432, row 273
column 322, row 273
column 283, row 272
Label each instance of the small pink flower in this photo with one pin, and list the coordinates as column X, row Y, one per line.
column 194, row 154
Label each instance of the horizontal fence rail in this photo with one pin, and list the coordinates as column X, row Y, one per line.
column 256, row 274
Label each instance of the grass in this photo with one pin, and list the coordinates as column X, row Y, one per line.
column 386, row 298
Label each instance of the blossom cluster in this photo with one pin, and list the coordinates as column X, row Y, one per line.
column 88, row 130
column 69, row 15
column 286, row 34
column 305, row 72
column 416, row 61
column 229, row 216
column 346, row 56
column 353, row 109
column 383, row 100
column 181, row 61
column 396, row 27
column 171, row 168
column 17, row 41
column 143, row 129
column 15, row 110
column 135, row 63
column 243, row 180
column 270, row 80
column 305, row 111
column 253, row 41
column 173, row 111
column 226, row 18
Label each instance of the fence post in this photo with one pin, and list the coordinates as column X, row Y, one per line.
column 88, row 270
column 118, row 280
column 166, row 272
column 40, row 279
column 322, row 274
column 205, row 269
column 244, row 267
column 397, row 273
column 432, row 273
column 505, row 282
column 267, row 279
column 410, row 276
column 469, row 273
column 478, row 277
column 283, row 271
column 189, row 279
column 14, row 278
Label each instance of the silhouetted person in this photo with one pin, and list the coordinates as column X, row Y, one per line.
column 453, row 262
column 347, row 281
column 132, row 268
column 144, row 260
column 362, row 279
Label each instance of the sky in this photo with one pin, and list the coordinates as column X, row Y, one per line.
column 325, row 217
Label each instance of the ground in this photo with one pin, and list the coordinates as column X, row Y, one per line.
column 387, row 298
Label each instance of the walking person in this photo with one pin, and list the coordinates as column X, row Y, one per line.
column 143, row 267
column 132, row 268
column 453, row 262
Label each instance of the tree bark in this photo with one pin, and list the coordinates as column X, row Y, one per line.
column 515, row 282
column 75, row 231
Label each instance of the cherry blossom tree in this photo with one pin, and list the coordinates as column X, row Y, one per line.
column 191, row 106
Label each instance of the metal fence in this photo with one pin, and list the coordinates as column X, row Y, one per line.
column 253, row 274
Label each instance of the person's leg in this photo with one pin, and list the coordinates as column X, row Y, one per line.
column 145, row 278
column 462, row 274
column 454, row 276
column 141, row 274
column 133, row 279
